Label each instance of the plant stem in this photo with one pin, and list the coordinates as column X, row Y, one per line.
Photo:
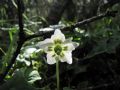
column 57, row 74
column 2, row 51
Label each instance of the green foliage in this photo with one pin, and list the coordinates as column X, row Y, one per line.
column 11, row 49
column 20, row 79
column 106, row 38
column 31, row 75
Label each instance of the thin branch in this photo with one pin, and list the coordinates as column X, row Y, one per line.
column 100, row 86
column 78, row 24
column 2, row 51
column 21, row 31
column 20, row 43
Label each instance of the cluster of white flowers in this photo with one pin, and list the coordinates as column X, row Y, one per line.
column 58, row 48
column 25, row 57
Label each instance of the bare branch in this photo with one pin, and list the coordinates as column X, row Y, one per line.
column 78, row 24
column 20, row 43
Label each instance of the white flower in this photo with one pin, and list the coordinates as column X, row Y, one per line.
column 58, row 48
column 20, row 58
column 26, row 55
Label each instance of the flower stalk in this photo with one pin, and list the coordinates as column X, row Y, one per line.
column 58, row 48
column 57, row 75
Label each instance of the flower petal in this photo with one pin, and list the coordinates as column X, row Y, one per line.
column 58, row 35
column 46, row 29
column 75, row 44
column 28, row 52
column 70, row 45
column 44, row 44
column 50, row 58
column 69, row 40
column 67, row 57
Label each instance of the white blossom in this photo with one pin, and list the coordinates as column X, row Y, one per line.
column 58, row 48
column 26, row 55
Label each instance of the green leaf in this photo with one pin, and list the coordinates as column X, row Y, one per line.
column 17, row 82
column 105, row 45
column 31, row 75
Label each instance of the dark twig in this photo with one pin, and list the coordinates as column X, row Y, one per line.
column 20, row 43
column 78, row 24
column 94, row 18
column 100, row 86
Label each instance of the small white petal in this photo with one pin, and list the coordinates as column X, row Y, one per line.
column 67, row 57
column 38, row 50
column 27, row 62
column 69, row 40
column 69, row 46
column 44, row 44
column 28, row 52
column 50, row 58
column 75, row 44
column 58, row 35
column 26, row 55
column 62, row 59
column 46, row 29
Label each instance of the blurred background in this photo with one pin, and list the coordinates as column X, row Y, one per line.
column 95, row 62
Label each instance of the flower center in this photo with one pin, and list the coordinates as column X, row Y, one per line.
column 58, row 49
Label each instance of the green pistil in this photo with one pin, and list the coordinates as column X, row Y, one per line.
column 58, row 49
